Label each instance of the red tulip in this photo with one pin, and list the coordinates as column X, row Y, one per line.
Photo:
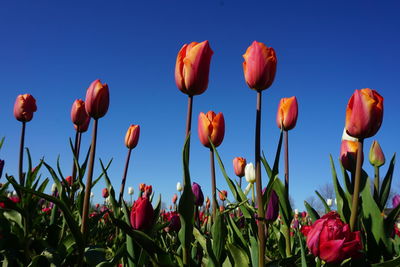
column 364, row 113
column 174, row 198
column 239, row 165
column 148, row 190
column 142, row 187
column 79, row 117
column 132, row 136
column 286, row 116
column 213, row 126
column 305, row 229
column 331, row 239
column 259, row 66
column 97, row 99
column 376, row 156
column 223, row 195
column 104, row 193
column 24, row 107
column 348, row 154
column 69, row 180
column 192, row 68
column 142, row 214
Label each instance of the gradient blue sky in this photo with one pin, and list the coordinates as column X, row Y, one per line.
column 326, row 49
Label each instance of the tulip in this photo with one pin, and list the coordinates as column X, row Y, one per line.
column 223, row 195
column 329, row 202
column 273, row 207
column 250, row 173
column 132, row 136
column 396, row 201
column 69, row 180
column 331, row 240
column 174, row 198
column 84, row 127
column 305, row 229
column 364, row 113
column 286, row 116
column 24, row 107
column 221, row 208
column 198, row 194
column 91, row 194
column 148, row 190
column 376, row 156
column 239, row 165
column 348, row 154
column 142, row 187
column 142, row 214
column 192, row 68
column 79, row 117
column 97, row 99
column 211, row 126
column 207, row 203
column 179, row 187
column 259, row 66
column 130, row 190
column 104, row 193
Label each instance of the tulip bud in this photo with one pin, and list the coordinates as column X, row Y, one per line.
column 396, row 201
column 79, row 117
column 91, row 194
column 130, row 190
column 192, row 68
column 250, row 173
column 364, row 113
column 259, row 66
column 104, row 193
column 223, row 195
column 376, row 156
column 239, row 164
column 148, row 190
column 142, row 187
column 329, row 202
column 198, row 194
column 132, row 136
column 286, row 116
column 273, row 207
column 142, row 214
column 69, row 180
column 211, row 126
column 179, row 187
column 24, row 107
column 97, row 99
column 348, row 154
column 174, row 198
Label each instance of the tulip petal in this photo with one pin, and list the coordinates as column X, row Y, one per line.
column 331, row 251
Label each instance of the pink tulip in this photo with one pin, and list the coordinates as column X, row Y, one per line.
column 24, row 107
column 97, row 99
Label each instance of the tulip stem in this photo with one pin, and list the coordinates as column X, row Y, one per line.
column 240, row 182
column 356, row 192
column 21, row 155
column 376, row 184
column 260, row 210
column 77, row 146
column 213, row 185
column 286, row 137
column 88, row 188
column 189, row 121
column 121, row 192
column 252, row 195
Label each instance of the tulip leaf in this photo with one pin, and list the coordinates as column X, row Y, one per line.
column 347, row 181
column 284, row 203
column 343, row 207
column 327, row 208
column 303, row 251
column 386, row 183
column 130, row 248
column 311, row 212
column 111, row 192
column 15, row 216
column 240, row 257
column 219, row 233
column 237, row 236
column 206, row 245
column 391, row 219
column 392, row 263
column 60, row 188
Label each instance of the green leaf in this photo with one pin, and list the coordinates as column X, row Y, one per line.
column 130, row 247
column 386, row 183
column 219, row 233
column 327, row 209
column 236, row 234
column 114, row 203
column 311, row 212
column 239, row 256
column 284, row 204
column 392, row 263
column 303, row 251
column 205, row 243
column 343, row 207
column 14, row 216
column 347, row 180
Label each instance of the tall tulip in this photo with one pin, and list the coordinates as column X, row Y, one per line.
column 78, row 113
column 24, row 107
column 259, row 69
column 239, row 165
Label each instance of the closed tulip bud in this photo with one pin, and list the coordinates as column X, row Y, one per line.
column 142, row 187
column 91, row 194
column 104, row 193
column 239, row 165
column 69, row 180
column 223, row 195
column 250, row 173
column 132, row 136
column 84, row 127
column 148, row 190
column 192, row 68
column 364, row 113
column 179, row 187
column 286, row 116
column 97, row 99
column 376, row 156
column 174, row 198
column 396, row 201
column 211, row 126
column 348, row 154
column 142, row 214
column 130, row 191
column 259, row 66
column 329, row 202
column 198, row 194
column 79, row 117
column 24, row 107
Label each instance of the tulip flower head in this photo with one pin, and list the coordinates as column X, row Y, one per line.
column 174, row 198
column 223, row 195
column 91, row 194
column 286, row 116
column 396, row 201
column 376, row 156
column 148, row 190
column 179, row 187
column 79, row 117
column 364, row 113
column 142, row 214
column 198, row 194
column 273, row 207
column 259, row 66
column 250, row 173
column 348, row 154
column 69, row 180
column 104, row 193
column 97, row 99
column 239, row 165
column 24, row 107
column 142, row 187
column 130, row 190
column 211, row 126
column 192, row 68
column 329, row 202
column 132, row 136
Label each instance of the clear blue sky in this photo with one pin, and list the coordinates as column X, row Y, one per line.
column 326, row 49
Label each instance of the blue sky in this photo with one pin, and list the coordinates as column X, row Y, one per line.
column 325, row 49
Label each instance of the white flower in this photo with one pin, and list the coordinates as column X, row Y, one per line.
column 53, row 188
column 346, row 136
column 14, row 193
column 130, row 190
column 91, row 194
column 179, row 187
column 9, row 195
column 250, row 173
column 398, row 225
column 329, row 202
column 296, row 211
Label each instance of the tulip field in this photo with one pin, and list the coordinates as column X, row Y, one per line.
column 257, row 227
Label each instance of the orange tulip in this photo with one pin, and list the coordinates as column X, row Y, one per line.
column 24, row 107
column 192, row 68
column 286, row 117
column 79, row 117
column 259, row 66
column 364, row 113
column 97, row 99
column 223, row 195
column 239, row 164
column 132, row 136
column 348, row 154
column 213, row 126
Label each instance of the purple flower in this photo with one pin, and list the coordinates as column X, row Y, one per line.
column 396, row 201
column 198, row 194
column 273, row 207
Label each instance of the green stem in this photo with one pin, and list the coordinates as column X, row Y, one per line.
column 21, row 155
column 121, row 193
column 189, row 121
column 356, row 192
column 253, row 196
column 213, row 186
column 376, row 184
